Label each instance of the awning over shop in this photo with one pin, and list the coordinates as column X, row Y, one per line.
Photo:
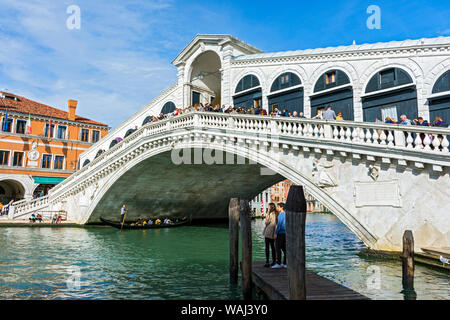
column 48, row 180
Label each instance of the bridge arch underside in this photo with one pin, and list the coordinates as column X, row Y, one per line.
column 156, row 187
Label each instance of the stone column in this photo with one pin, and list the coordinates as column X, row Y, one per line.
column 186, row 95
column 180, row 92
column 226, row 91
column 306, row 102
column 265, row 101
column 422, row 104
column 357, row 104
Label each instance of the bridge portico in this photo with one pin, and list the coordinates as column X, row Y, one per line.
column 204, row 68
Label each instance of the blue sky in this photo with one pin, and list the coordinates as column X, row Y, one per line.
column 121, row 57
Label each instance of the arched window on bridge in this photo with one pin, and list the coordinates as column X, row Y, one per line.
column 99, row 153
column 248, row 92
column 114, row 142
column 168, row 107
column 333, row 89
column 390, row 93
column 129, row 132
column 286, row 93
column 147, row 120
column 86, row 162
column 439, row 102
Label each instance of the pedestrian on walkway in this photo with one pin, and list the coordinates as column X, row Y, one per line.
column 280, row 237
column 269, row 234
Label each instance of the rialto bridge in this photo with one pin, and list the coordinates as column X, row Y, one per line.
column 376, row 178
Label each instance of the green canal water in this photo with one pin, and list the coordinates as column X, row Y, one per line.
column 182, row 263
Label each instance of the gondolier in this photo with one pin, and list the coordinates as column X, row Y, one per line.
column 123, row 212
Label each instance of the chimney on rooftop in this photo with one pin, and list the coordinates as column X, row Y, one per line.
column 72, row 108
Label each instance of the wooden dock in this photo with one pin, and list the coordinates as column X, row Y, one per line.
column 274, row 284
column 432, row 258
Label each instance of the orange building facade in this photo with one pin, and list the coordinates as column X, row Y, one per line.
column 40, row 145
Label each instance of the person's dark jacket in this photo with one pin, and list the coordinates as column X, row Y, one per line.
column 424, row 123
column 441, row 124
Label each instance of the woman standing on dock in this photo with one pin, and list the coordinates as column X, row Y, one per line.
column 268, row 233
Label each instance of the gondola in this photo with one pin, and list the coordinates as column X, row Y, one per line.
column 128, row 226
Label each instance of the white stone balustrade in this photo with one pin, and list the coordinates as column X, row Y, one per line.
column 379, row 137
column 20, row 209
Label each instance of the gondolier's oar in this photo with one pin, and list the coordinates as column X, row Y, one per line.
column 123, row 221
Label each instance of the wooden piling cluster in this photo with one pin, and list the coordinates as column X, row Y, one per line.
column 408, row 266
column 295, row 242
column 408, row 260
column 239, row 210
column 246, row 234
column 295, row 208
column 233, row 213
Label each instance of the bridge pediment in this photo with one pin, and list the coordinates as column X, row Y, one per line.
column 208, row 40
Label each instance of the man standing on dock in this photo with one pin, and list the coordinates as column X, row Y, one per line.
column 280, row 237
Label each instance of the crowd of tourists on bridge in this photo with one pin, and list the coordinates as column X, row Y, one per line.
column 323, row 114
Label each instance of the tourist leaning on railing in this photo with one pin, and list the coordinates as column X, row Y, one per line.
column 438, row 122
column 404, row 120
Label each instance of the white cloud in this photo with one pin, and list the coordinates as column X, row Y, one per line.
column 112, row 65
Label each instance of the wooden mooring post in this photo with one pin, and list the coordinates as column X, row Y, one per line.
column 295, row 209
column 408, row 261
column 233, row 215
column 246, row 236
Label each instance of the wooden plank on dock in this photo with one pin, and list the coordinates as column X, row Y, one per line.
column 274, row 283
column 444, row 252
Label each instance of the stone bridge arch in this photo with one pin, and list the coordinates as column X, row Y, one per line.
column 282, row 169
column 375, row 187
